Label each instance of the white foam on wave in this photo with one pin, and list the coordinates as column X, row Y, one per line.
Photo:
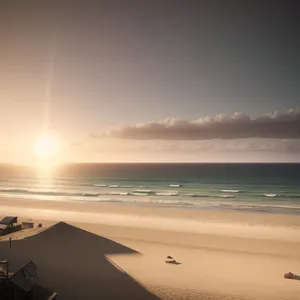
column 139, row 194
column 226, row 196
column 175, row 185
column 271, row 195
column 113, row 186
column 100, row 185
column 118, row 193
column 167, row 194
column 230, row 191
column 171, row 202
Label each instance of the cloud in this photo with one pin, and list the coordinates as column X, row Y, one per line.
column 114, row 145
column 277, row 125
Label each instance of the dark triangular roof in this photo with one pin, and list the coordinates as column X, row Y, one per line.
column 29, row 270
column 9, row 220
column 19, row 280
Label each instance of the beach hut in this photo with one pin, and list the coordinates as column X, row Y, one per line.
column 9, row 224
column 9, row 221
column 27, row 225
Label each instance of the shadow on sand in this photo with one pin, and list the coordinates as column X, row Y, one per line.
column 73, row 263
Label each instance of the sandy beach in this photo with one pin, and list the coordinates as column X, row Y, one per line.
column 222, row 254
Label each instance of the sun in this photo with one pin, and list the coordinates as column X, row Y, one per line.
column 46, row 147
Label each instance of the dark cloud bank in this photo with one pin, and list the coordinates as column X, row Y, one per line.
column 281, row 125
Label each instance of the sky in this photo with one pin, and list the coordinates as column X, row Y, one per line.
column 165, row 81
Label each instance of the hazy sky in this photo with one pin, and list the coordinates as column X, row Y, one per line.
column 120, row 63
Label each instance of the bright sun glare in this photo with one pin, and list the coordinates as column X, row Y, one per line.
column 46, row 147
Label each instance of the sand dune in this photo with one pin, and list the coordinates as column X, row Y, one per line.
column 73, row 263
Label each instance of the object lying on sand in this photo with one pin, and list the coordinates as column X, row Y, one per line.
column 169, row 257
column 291, row 275
column 174, row 262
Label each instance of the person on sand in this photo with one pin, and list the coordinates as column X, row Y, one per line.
column 291, row 275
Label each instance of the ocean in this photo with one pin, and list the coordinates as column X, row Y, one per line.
column 272, row 188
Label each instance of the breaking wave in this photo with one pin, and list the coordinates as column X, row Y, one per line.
column 273, row 195
column 167, row 194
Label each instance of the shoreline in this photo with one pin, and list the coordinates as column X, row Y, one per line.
column 155, row 210
column 229, row 207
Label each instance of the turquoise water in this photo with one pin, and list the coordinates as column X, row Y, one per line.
column 252, row 187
